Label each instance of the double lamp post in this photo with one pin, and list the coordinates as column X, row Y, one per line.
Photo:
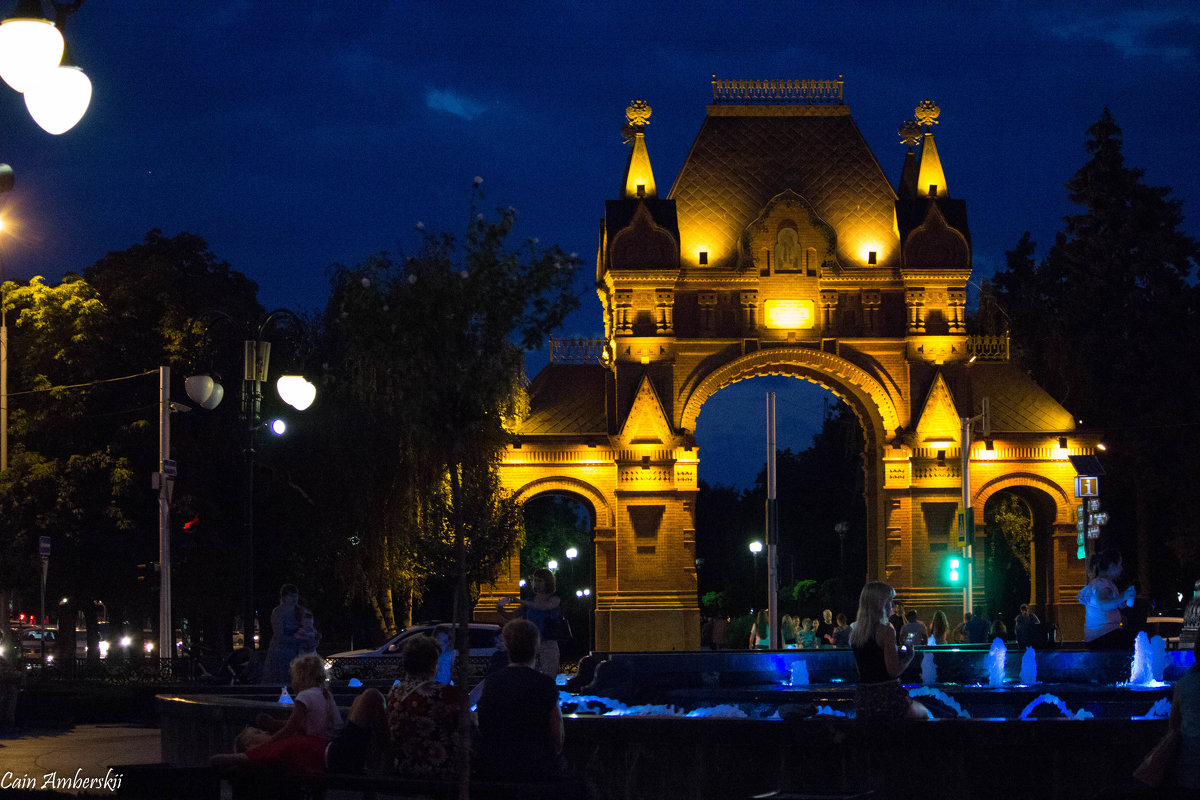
column 207, row 393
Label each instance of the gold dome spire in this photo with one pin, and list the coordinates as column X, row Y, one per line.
column 639, row 177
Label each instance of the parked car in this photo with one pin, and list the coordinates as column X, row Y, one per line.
column 1167, row 627
column 31, row 643
column 383, row 662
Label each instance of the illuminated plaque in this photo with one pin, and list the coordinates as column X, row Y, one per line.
column 790, row 314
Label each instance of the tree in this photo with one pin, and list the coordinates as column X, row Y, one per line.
column 432, row 346
column 1104, row 322
column 85, row 423
column 429, row 351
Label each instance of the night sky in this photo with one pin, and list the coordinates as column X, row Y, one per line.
column 295, row 135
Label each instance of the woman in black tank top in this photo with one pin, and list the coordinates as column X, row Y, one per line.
column 879, row 694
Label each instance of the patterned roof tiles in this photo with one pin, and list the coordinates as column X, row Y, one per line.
column 566, row 399
column 745, row 156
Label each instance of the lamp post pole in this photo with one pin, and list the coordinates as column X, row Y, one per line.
column 6, row 181
column 257, row 358
column 258, row 355
column 166, row 469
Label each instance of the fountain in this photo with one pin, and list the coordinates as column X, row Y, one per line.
column 1054, row 702
column 995, row 663
column 1149, row 659
column 928, row 669
column 799, row 673
column 1158, row 658
column 1029, row 667
column 694, row 714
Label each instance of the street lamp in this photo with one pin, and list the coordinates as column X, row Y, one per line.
column 572, row 553
column 4, row 353
column 35, row 61
column 294, row 390
column 756, row 547
column 552, row 565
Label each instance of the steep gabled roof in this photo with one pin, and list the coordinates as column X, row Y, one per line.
column 1018, row 405
column 745, row 155
column 565, row 400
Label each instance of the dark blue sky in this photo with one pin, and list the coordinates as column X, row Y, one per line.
column 295, row 135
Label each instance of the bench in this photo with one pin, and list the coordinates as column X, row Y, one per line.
column 167, row 782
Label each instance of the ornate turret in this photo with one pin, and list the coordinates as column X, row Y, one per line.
column 923, row 199
column 639, row 177
column 910, row 136
column 931, row 179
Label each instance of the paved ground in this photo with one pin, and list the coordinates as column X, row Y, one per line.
column 32, row 753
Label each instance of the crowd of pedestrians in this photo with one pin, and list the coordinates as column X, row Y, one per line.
column 911, row 625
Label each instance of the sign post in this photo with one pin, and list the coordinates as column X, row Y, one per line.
column 44, row 552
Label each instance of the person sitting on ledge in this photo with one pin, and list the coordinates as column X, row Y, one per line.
column 298, row 744
column 879, row 694
column 424, row 716
column 520, row 723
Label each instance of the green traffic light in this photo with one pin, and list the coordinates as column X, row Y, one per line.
column 954, row 575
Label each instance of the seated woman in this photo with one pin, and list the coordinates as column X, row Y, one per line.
column 425, row 717
column 299, row 743
column 879, row 694
column 520, row 725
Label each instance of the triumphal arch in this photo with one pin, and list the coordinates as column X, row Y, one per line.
column 782, row 249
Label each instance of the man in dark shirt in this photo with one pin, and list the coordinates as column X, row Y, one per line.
column 897, row 617
column 520, row 724
column 977, row 628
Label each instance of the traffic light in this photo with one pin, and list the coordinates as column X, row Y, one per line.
column 954, row 569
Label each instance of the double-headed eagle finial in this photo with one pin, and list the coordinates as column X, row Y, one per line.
column 637, row 117
column 910, row 133
column 638, row 113
column 927, row 113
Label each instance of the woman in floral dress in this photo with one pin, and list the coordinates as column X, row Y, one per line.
column 424, row 716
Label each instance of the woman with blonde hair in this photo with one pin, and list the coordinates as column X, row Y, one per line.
column 297, row 744
column 939, row 628
column 880, row 661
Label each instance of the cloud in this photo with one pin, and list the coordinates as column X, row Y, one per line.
column 454, row 104
column 1135, row 32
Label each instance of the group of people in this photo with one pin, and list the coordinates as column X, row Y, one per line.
column 424, row 719
column 801, row 632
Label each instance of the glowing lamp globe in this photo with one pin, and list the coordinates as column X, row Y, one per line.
column 58, row 99
column 204, row 391
column 29, row 47
column 296, row 391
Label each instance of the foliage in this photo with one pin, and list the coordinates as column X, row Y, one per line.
column 84, row 427
column 1011, row 518
column 428, row 350
column 714, row 603
column 1101, row 322
column 817, row 489
column 552, row 525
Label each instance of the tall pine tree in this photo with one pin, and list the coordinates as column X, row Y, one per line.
column 1108, row 323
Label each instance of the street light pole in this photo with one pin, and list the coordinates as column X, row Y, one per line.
column 258, row 354
column 257, row 358
column 166, row 476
